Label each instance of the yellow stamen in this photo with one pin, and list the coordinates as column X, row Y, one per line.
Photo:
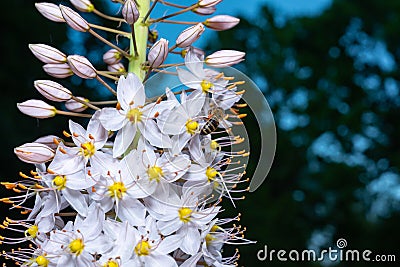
column 32, row 231
column 76, row 246
column 111, row 263
column 88, row 149
column 155, row 173
column 214, row 145
column 205, row 86
column 185, row 214
column 211, row 173
column 117, row 189
column 143, row 248
column 134, row 115
column 60, row 181
column 192, row 126
column 42, row 261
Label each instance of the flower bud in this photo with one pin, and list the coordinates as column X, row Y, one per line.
column 158, row 53
column 112, row 56
column 208, row 3
column 118, row 67
column 48, row 140
column 204, row 11
column 76, row 106
column 190, row 35
column 58, row 70
column 34, row 153
column 83, row 5
column 224, row 58
column 130, row 11
column 50, row 11
column 48, row 54
column 221, row 22
column 52, row 90
column 82, row 67
column 37, row 109
column 74, row 20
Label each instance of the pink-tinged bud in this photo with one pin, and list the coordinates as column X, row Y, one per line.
column 58, row 70
column 74, row 20
column 118, row 67
column 48, row 54
column 190, row 35
column 82, row 67
column 76, row 106
column 112, row 56
column 83, row 5
column 34, row 153
column 50, row 11
column 204, row 11
column 221, row 22
column 130, row 11
column 37, row 109
column 225, row 58
column 158, row 53
column 52, row 90
column 48, row 140
column 208, row 3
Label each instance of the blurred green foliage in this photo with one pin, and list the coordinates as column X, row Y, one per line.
column 333, row 84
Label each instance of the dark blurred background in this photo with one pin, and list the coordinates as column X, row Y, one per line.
column 331, row 77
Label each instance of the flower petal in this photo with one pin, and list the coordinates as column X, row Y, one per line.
column 152, row 133
column 123, row 139
column 112, row 119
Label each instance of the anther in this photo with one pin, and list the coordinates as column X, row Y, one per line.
column 65, row 133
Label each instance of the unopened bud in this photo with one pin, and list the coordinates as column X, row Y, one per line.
column 37, row 109
column 52, row 90
column 58, row 70
column 50, row 11
column 224, row 58
column 221, row 22
column 74, row 20
column 34, row 153
column 158, row 53
column 76, row 106
column 48, row 54
column 204, row 11
column 112, row 56
column 208, row 3
column 48, row 140
column 118, row 67
column 83, row 5
column 190, row 35
column 82, row 67
column 130, row 11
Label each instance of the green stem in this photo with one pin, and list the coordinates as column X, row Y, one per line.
column 141, row 35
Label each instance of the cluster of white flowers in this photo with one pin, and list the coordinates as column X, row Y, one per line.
column 143, row 183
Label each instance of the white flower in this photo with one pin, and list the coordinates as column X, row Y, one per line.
column 198, row 78
column 131, row 115
column 88, row 144
column 76, row 244
column 182, row 121
column 150, row 249
column 184, row 215
column 156, row 171
column 69, row 186
column 119, row 189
